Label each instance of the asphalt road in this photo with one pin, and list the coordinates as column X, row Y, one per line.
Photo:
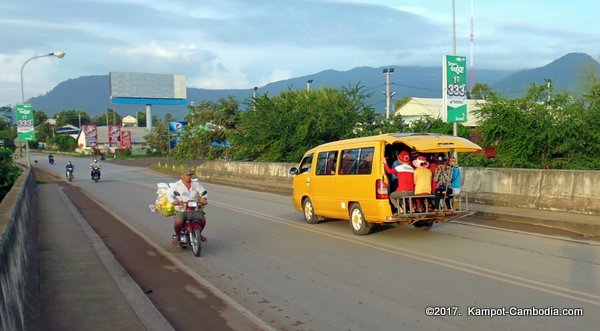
column 293, row 276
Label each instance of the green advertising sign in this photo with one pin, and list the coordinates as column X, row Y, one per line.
column 455, row 87
column 25, row 127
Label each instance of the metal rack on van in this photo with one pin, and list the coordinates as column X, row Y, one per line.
column 460, row 206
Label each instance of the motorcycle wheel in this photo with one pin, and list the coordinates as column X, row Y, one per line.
column 195, row 241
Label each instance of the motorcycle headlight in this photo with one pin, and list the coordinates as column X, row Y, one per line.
column 192, row 204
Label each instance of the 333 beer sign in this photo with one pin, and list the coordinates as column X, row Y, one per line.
column 25, row 128
column 455, row 83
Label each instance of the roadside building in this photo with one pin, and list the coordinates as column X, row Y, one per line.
column 138, row 143
column 129, row 121
column 417, row 108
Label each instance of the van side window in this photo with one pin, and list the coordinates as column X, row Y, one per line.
column 357, row 161
column 305, row 164
column 326, row 163
column 366, row 160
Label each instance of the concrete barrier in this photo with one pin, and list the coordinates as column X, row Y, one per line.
column 19, row 271
column 560, row 190
column 571, row 191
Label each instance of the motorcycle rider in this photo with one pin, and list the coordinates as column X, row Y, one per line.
column 95, row 166
column 187, row 190
column 69, row 168
column 50, row 158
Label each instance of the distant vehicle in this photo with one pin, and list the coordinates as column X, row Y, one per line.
column 346, row 179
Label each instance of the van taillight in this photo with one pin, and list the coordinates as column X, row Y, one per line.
column 381, row 189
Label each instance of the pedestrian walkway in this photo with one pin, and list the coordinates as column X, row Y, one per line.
column 82, row 285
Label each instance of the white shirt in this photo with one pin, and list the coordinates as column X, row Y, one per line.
column 185, row 195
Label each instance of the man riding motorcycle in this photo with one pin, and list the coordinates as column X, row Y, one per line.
column 179, row 194
column 69, row 168
column 95, row 166
column 50, row 158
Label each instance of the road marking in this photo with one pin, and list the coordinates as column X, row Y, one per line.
column 579, row 241
column 432, row 259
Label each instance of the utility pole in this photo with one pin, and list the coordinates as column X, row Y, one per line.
column 388, row 95
column 454, row 124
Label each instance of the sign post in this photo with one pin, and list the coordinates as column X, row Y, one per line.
column 25, row 127
column 455, row 91
column 455, row 88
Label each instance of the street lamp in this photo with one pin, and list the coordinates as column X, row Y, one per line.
column 58, row 54
column 308, row 82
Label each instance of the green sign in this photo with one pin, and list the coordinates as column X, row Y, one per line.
column 455, row 87
column 25, row 127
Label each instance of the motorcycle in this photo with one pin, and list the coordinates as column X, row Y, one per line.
column 70, row 174
column 190, row 233
column 96, row 174
column 51, row 160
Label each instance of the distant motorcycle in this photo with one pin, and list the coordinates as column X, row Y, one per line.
column 51, row 159
column 70, row 176
column 96, row 174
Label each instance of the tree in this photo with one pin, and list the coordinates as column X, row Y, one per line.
column 72, row 117
column 533, row 132
column 39, row 117
column 209, row 125
column 401, row 102
column 481, row 91
column 8, row 171
column 113, row 118
column 282, row 128
column 157, row 139
column 64, row 143
column 140, row 116
column 7, row 133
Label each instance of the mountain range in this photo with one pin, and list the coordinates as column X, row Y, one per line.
column 91, row 93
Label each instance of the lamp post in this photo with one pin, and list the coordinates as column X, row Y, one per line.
column 58, row 54
column 308, row 82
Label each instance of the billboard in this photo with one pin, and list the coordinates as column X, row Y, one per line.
column 151, row 86
column 126, row 139
column 114, row 135
column 175, row 132
column 455, row 88
column 91, row 135
column 25, row 128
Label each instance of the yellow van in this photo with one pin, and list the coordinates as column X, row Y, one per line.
column 346, row 179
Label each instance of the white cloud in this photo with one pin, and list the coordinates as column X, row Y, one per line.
column 276, row 75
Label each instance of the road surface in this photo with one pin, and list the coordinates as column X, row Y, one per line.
column 287, row 275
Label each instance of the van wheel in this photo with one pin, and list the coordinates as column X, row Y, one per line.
column 357, row 220
column 423, row 225
column 309, row 212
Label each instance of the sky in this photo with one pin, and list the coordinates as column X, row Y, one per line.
column 237, row 44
